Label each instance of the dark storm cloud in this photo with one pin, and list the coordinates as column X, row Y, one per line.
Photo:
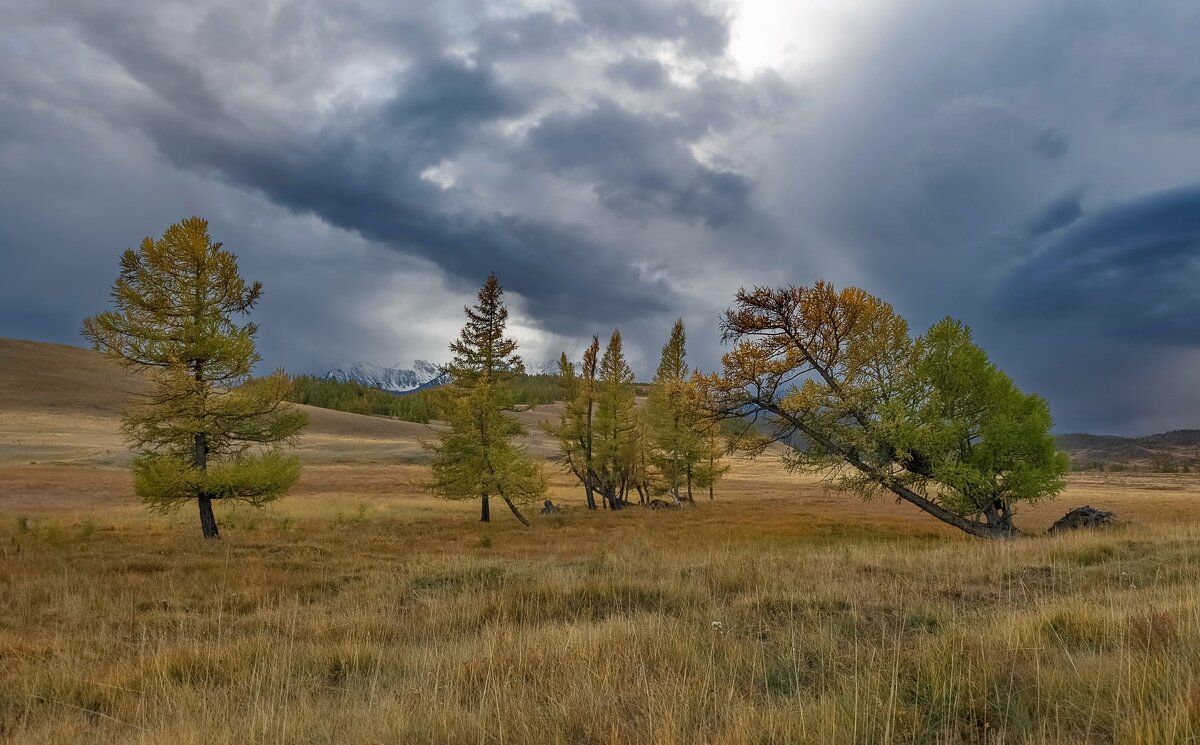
column 1058, row 214
column 1051, row 144
column 363, row 171
column 1130, row 271
column 375, row 193
column 1011, row 164
column 640, row 165
column 531, row 36
column 441, row 102
column 638, row 72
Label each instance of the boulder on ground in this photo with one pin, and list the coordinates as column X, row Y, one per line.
column 549, row 508
column 662, row 504
column 1084, row 517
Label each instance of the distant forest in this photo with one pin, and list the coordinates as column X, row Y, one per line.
column 419, row 406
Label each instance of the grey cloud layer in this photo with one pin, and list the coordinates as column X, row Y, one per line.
column 1029, row 167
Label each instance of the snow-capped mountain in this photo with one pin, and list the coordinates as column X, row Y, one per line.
column 549, row 367
column 398, row 379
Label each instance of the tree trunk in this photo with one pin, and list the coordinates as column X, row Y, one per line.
column 591, row 494
column 998, row 515
column 515, row 511
column 982, row 530
column 590, row 484
column 675, row 474
column 208, row 521
column 485, row 514
column 689, row 483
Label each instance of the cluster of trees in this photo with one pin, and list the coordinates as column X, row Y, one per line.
column 612, row 445
column 419, row 406
column 669, row 446
column 834, row 376
column 356, row 398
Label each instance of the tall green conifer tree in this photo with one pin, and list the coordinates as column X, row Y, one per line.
column 479, row 455
column 713, row 446
column 614, row 425
column 207, row 431
column 673, row 420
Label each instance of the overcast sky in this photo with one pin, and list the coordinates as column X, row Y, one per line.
column 1029, row 166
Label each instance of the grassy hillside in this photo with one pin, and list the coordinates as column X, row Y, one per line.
column 1178, row 450
column 61, row 405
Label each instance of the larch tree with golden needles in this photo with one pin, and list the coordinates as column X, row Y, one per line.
column 931, row 421
column 207, row 431
column 575, row 429
column 713, row 445
column 478, row 456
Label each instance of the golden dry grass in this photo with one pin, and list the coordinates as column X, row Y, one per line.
column 361, row 610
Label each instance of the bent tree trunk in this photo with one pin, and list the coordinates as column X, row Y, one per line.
column 590, row 491
column 998, row 515
column 515, row 511
column 1000, row 529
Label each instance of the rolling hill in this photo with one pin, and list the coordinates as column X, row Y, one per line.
column 62, row 404
column 1164, row 451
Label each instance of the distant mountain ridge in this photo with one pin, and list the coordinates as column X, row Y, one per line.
column 406, row 378
column 399, row 378
column 1180, row 447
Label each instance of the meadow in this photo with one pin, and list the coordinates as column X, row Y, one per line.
column 361, row 610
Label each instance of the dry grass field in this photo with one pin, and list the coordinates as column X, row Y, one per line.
column 360, row 610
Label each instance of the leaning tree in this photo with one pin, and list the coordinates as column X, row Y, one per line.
column 206, row 431
column 836, row 376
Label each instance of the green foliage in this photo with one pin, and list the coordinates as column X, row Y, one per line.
column 969, row 431
column 418, row 406
column 575, row 429
column 356, row 398
column 614, row 427
column 836, row 375
column 713, row 442
column 673, row 417
column 164, row 481
column 176, row 299
column 478, row 456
